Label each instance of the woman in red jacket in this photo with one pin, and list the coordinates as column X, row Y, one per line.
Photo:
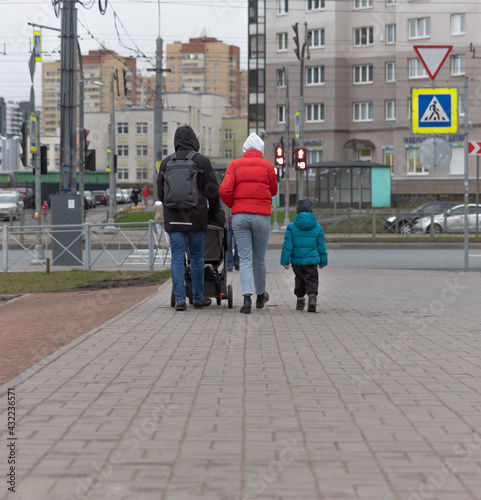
column 248, row 187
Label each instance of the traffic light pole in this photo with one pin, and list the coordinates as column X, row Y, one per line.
column 112, row 180
column 287, row 195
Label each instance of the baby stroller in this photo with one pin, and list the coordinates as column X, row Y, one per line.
column 215, row 254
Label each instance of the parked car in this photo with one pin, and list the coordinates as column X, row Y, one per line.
column 119, row 196
column 403, row 222
column 454, row 221
column 11, row 204
column 101, row 197
column 126, row 195
column 89, row 199
column 28, row 195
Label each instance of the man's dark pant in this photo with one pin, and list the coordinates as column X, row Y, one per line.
column 307, row 280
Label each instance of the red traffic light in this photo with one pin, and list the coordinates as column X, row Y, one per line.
column 279, row 156
column 300, row 156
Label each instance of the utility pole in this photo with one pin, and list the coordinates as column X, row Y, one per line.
column 300, row 53
column 286, row 156
column 82, row 144
column 158, row 126
column 112, row 179
column 68, row 98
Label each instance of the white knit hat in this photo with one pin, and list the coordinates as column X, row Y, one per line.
column 254, row 142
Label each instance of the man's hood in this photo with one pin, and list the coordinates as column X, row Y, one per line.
column 185, row 138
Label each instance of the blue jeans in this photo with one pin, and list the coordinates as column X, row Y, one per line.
column 232, row 252
column 251, row 232
column 195, row 240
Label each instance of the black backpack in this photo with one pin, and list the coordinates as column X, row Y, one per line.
column 180, row 182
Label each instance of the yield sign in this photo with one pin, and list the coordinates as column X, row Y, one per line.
column 474, row 148
column 433, row 57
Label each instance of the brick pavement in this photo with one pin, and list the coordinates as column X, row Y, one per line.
column 377, row 396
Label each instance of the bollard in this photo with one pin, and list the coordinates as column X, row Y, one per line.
column 373, row 225
column 48, row 265
column 431, row 227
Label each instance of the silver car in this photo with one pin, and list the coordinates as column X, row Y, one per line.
column 454, row 222
column 11, row 204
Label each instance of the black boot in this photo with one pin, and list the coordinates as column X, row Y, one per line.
column 301, row 303
column 261, row 300
column 246, row 308
column 312, row 303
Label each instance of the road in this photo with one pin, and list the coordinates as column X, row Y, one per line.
column 425, row 259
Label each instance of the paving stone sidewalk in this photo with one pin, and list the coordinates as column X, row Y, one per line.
column 376, row 396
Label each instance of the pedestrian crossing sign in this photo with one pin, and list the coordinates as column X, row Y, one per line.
column 435, row 111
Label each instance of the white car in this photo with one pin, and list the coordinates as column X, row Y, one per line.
column 126, row 195
column 454, row 221
column 11, row 204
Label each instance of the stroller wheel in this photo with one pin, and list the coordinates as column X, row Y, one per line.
column 230, row 298
column 172, row 299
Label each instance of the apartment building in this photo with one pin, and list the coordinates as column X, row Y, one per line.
column 99, row 67
column 359, row 69
column 205, row 64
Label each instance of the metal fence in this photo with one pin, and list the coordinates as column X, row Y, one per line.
column 103, row 246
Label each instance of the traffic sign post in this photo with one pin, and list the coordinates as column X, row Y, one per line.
column 435, row 111
column 474, row 148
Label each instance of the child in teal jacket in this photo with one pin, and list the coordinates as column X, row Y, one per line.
column 305, row 248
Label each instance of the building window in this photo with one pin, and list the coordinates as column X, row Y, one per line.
column 364, row 36
column 316, row 38
column 363, row 74
column 313, row 157
column 227, row 134
column 362, row 4
column 416, row 69
column 142, row 128
column 165, row 128
column 315, row 4
column 390, row 2
column 390, row 110
column 142, row 175
column 458, row 65
column 122, row 128
column 282, row 6
column 413, row 162
column 458, row 24
column 315, row 112
column 461, row 105
column 122, row 151
column 315, row 75
column 390, row 72
column 228, row 153
column 280, row 78
column 281, row 42
column 281, row 114
column 362, row 111
column 141, row 150
column 391, row 33
column 165, row 150
column 420, row 28
column 123, row 174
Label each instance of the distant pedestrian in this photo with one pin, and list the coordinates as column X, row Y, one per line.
column 135, row 194
column 145, row 194
column 45, row 210
column 305, row 248
column 248, row 187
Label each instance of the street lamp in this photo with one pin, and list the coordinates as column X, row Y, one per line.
column 112, row 178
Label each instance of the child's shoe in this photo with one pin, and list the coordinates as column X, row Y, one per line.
column 301, row 303
column 311, row 307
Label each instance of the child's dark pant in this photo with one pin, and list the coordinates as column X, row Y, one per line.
column 307, row 280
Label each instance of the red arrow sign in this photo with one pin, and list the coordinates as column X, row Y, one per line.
column 474, row 148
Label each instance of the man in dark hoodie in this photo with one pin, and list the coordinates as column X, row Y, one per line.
column 188, row 226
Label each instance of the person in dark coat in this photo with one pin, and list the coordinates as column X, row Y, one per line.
column 188, row 226
column 305, row 248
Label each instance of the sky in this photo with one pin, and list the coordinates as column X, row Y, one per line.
column 137, row 22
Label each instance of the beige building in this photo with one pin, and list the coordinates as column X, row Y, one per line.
column 205, row 64
column 357, row 86
column 99, row 67
column 134, row 137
